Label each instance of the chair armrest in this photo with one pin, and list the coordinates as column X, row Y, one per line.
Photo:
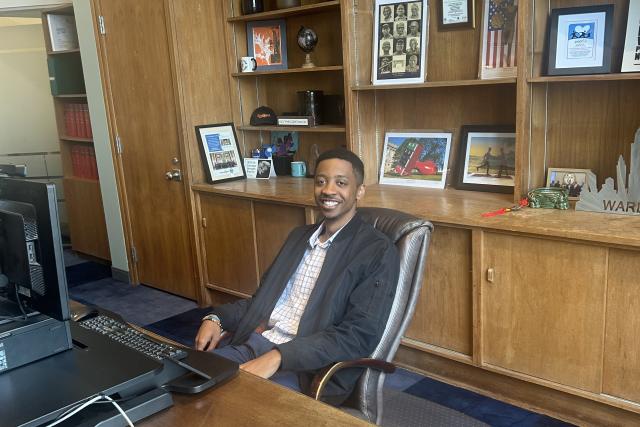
column 321, row 379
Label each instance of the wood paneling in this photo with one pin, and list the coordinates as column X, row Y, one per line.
column 273, row 223
column 621, row 350
column 229, row 246
column 86, row 217
column 443, row 315
column 542, row 315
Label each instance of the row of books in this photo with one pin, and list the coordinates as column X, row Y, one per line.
column 83, row 162
column 76, row 120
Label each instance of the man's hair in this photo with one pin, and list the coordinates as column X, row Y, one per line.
column 344, row 154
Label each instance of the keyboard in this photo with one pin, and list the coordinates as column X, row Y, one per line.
column 132, row 338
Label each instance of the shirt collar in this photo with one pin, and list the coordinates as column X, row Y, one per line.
column 315, row 237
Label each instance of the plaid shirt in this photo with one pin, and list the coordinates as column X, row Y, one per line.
column 286, row 315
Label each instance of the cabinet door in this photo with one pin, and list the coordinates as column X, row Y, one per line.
column 543, row 310
column 229, row 244
column 443, row 316
column 273, row 225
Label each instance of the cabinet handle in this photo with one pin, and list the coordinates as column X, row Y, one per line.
column 490, row 274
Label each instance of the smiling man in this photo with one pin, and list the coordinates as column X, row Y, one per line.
column 326, row 297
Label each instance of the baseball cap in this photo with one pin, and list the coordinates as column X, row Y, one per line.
column 263, row 116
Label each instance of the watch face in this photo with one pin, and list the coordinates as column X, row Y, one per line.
column 569, row 178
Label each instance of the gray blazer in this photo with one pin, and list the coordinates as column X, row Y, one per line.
column 346, row 312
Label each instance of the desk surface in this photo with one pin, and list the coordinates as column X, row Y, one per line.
column 247, row 400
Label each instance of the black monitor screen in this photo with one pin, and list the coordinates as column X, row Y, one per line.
column 31, row 253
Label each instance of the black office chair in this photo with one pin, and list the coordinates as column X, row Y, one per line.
column 411, row 235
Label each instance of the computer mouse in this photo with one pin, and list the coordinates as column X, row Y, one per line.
column 83, row 312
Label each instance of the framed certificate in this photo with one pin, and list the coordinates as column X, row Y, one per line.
column 220, row 151
column 631, row 57
column 453, row 14
column 580, row 40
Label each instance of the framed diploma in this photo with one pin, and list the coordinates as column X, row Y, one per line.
column 454, row 14
column 631, row 57
column 580, row 40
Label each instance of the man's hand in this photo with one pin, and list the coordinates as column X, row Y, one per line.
column 264, row 366
column 208, row 335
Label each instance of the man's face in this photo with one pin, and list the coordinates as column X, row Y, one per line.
column 400, row 29
column 413, row 28
column 386, row 12
column 413, row 61
column 400, row 10
column 386, row 47
column 385, row 30
column 337, row 190
column 400, row 45
column 413, row 44
column 414, row 10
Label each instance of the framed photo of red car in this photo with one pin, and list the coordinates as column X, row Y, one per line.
column 416, row 158
column 487, row 159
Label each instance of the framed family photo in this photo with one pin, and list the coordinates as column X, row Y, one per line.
column 220, row 152
column 400, row 41
column 631, row 56
column 417, row 158
column 456, row 14
column 580, row 40
column 499, row 39
column 487, row 159
column 572, row 180
column 267, row 43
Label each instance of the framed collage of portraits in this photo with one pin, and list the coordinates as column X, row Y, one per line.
column 400, row 34
column 220, row 151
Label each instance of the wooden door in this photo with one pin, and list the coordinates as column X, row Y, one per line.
column 543, row 309
column 137, row 62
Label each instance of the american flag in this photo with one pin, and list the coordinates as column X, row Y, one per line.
column 501, row 34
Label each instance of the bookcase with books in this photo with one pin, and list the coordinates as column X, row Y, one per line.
column 83, row 200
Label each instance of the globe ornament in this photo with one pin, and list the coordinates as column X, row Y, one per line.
column 307, row 40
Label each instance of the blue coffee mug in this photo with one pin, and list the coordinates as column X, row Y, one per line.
column 298, row 169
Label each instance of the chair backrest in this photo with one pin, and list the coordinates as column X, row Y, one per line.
column 411, row 236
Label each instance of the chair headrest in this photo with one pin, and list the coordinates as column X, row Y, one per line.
column 393, row 223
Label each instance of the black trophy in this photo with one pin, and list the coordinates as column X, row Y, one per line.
column 307, row 40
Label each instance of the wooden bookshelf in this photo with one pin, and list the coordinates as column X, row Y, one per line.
column 75, row 139
column 290, row 71
column 306, row 129
column 585, row 78
column 446, row 83
column 284, row 13
column 62, row 52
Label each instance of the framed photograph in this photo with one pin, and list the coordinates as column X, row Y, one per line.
column 499, row 39
column 259, row 168
column 267, row 43
column 631, row 56
column 455, row 14
column 487, row 159
column 400, row 34
column 220, row 152
column 573, row 180
column 417, row 158
column 580, row 40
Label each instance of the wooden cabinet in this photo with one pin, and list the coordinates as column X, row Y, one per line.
column 241, row 238
column 83, row 199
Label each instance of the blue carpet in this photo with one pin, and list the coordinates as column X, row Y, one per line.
column 85, row 272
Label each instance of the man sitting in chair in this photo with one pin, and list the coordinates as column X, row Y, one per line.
column 326, row 297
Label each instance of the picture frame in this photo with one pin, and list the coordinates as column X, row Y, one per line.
column 498, row 43
column 400, row 37
column 476, row 153
column 572, row 180
column 580, row 40
column 416, row 158
column 259, row 168
column 631, row 55
column 267, row 43
column 456, row 14
column 221, row 156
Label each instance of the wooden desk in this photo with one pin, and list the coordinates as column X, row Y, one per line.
column 248, row 400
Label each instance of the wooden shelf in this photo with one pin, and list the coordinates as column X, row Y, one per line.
column 450, row 83
column 314, row 129
column 62, row 52
column 283, row 13
column 85, row 180
column 290, row 71
column 585, row 78
column 71, row 95
column 75, row 139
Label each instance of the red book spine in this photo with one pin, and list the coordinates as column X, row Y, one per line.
column 68, row 120
column 81, row 126
column 87, row 122
column 76, row 120
column 75, row 166
column 86, row 163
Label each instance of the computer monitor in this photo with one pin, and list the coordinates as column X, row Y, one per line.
column 31, row 254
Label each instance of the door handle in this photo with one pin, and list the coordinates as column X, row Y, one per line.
column 491, row 275
column 173, row 175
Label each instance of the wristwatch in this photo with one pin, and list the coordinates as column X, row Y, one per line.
column 214, row 319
